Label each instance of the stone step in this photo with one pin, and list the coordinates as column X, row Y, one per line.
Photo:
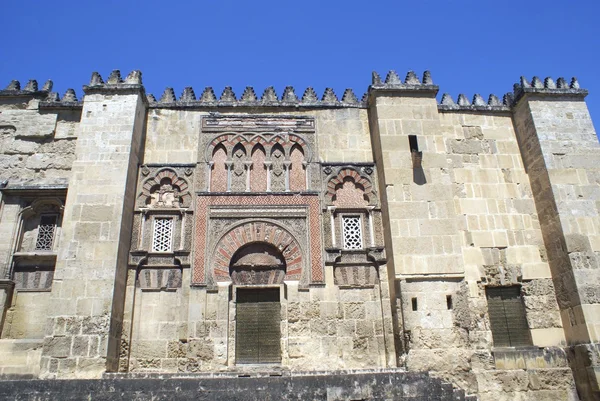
column 329, row 386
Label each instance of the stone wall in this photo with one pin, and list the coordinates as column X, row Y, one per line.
column 37, row 149
column 89, row 282
column 451, row 200
column 37, row 145
column 172, row 135
column 193, row 330
column 561, row 153
column 462, row 218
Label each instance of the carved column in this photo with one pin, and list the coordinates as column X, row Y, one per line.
column 331, row 210
column 305, row 166
column 268, row 166
column 209, row 181
column 286, row 166
column 371, row 230
column 247, row 167
column 229, row 166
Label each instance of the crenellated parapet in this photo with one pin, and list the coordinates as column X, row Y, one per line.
column 547, row 87
column 411, row 83
column 30, row 90
column 47, row 98
column 478, row 103
column 269, row 98
column 131, row 84
column 290, row 98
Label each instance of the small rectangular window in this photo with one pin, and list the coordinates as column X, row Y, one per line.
column 352, row 232
column 46, row 231
column 449, row 302
column 162, row 238
column 507, row 316
column 413, row 143
column 413, row 301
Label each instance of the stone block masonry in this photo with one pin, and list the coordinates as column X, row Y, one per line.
column 264, row 246
column 85, row 315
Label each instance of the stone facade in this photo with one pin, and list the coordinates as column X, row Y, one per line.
column 193, row 236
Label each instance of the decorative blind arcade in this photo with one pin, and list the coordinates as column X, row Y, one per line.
column 45, row 236
column 163, row 235
column 352, row 232
column 507, row 316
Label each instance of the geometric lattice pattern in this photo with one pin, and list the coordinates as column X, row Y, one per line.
column 45, row 236
column 352, row 232
column 162, row 238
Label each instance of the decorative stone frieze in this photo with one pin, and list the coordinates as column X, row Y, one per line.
column 164, row 201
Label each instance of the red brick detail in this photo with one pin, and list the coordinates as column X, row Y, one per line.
column 264, row 232
column 258, row 173
column 162, row 174
column 218, row 177
column 256, row 231
column 297, row 172
column 350, row 196
column 232, row 139
column 346, row 174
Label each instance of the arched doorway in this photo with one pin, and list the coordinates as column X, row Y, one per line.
column 257, row 271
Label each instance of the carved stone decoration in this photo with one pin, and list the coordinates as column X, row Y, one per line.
column 355, row 276
column 271, row 236
column 286, row 141
column 33, row 278
column 350, row 195
column 350, row 186
column 40, row 228
column 165, row 189
column 238, row 170
column 278, row 169
column 157, row 279
column 257, row 264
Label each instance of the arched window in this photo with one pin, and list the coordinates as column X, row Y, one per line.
column 218, row 178
column 258, row 175
column 297, row 169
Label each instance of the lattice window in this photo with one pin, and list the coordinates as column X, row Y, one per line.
column 162, row 239
column 46, row 231
column 352, row 232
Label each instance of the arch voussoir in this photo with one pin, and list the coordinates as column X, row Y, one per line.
column 253, row 232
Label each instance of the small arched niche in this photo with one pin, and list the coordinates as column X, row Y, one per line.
column 218, row 178
column 350, row 194
column 257, row 263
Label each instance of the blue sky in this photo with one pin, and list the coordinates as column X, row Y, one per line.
column 469, row 46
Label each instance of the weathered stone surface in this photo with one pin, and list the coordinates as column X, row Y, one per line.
column 446, row 202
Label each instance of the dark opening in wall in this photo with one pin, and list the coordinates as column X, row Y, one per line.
column 417, row 158
column 414, row 303
column 449, row 301
column 507, row 316
column 413, row 143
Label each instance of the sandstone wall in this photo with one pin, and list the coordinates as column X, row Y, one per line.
column 193, row 330
column 37, row 146
column 37, row 149
column 561, row 153
column 89, row 282
column 342, row 134
column 463, row 220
